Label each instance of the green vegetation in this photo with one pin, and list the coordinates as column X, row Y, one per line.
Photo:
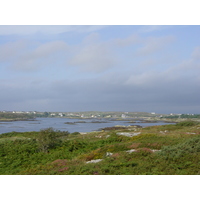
column 48, row 139
column 184, row 116
column 14, row 116
column 168, row 149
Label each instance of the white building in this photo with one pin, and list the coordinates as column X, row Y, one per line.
column 123, row 116
column 60, row 114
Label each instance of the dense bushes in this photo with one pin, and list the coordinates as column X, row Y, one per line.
column 47, row 139
column 186, row 123
column 174, row 152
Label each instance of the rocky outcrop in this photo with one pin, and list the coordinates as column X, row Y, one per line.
column 94, row 161
column 128, row 134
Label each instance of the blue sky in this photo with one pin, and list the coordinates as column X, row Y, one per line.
column 105, row 68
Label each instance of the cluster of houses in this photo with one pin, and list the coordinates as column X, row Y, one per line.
column 89, row 114
column 18, row 112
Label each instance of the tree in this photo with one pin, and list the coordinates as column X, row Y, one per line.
column 46, row 114
column 47, row 138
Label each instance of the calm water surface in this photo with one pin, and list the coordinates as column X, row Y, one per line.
column 59, row 124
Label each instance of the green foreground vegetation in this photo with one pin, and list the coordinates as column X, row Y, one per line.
column 156, row 150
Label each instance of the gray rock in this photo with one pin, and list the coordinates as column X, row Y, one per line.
column 83, row 133
column 134, row 150
column 154, row 150
column 131, row 150
column 94, row 161
column 128, row 134
column 109, row 154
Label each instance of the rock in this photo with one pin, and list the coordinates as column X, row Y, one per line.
column 154, row 150
column 162, row 132
column 98, row 136
column 83, row 133
column 109, row 154
column 71, row 123
column 99, row 122
column 120, row 126
column 134, row 150
column 131, row 150
column 94, row 161
column 129, row 134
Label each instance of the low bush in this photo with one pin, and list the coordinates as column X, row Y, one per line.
column 186, row 124
column 75, row 133
column 191, row 146
column 49, row 138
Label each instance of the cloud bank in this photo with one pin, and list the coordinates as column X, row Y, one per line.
column 90, row 70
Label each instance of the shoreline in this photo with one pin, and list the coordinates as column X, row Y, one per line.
column 14, row 120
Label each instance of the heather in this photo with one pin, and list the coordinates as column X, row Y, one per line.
column 156, row 150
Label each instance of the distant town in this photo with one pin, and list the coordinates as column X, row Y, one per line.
column 95, row 114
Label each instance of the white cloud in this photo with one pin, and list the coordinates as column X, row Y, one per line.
column 152, row 28
column 132, row 39
column 50, row 48
column 180, row 76
column 44, row 55
column 45, row 29
column 147, row 63
column 95, row 55
column 94, row 58
column 92, row 38
column 120, row 79
column 10, row 50
column 155, row 44
column 147, row 79
column 196, row 53
column 189, row 67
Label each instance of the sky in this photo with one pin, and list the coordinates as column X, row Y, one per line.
column 131, row 68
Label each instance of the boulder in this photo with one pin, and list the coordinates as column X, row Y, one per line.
column 129, row 134
column 94, row 161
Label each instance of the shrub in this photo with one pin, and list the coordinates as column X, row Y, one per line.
column 59, row 162
column 177, row 151
column 75, row 133
column 186, row 123
column 75, row 145
column 144, row 151
column 134, row 145
column 95, row 154
column 47, row 138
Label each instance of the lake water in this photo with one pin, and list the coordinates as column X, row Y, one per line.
column 59, row 124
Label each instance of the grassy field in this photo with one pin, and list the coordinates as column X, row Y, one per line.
column 156, row 150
